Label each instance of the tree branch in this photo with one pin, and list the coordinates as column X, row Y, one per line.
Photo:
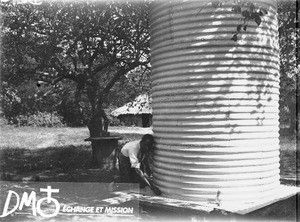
column 122, row 71
column 103, row 66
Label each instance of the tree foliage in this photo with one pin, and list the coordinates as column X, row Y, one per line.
column 92, row 44
column 287, row 14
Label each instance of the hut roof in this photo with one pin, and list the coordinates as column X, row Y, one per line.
column 141, row 105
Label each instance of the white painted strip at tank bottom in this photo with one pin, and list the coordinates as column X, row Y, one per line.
column 230, row 182
column 219, row 166
column 242, row 195
column 223, row 146
column 247, row 197
column 212, row 176
column 218, row 176
column 188, row 188
column 215, row 156
column 204, row 163
column 246, row 191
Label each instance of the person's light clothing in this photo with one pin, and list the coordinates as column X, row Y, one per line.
column 131, row 150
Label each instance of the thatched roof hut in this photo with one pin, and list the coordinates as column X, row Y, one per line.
column 138, row 112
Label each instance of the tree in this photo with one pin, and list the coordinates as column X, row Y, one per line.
column 288, row 61
column 93, row 44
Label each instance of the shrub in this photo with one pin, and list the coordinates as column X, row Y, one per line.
column 40, row 119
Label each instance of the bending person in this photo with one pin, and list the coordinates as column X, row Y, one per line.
column 133, row 162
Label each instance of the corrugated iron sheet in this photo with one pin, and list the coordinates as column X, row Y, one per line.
column 215, row 102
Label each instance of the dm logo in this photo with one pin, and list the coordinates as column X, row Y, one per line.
column 31, row 199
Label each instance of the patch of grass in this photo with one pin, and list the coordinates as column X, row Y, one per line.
column 33, row 137
column 42, row 137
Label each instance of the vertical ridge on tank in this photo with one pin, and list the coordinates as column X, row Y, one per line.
column 215, row 102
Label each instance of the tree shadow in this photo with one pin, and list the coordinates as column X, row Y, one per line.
column 52, row 164
column 58, row 163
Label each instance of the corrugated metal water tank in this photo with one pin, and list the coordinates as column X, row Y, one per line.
column 215, row 102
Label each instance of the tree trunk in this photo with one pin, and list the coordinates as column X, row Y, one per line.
column 95, row 128
column 293, row 120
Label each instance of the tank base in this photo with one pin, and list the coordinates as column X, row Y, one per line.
column 281, row 207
